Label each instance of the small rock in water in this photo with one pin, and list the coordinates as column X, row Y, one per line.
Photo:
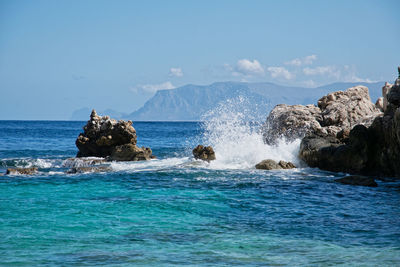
column 358, row 180
column 286, row 165
column 89, row 169
column 269, row 164
column 25, row 171
column 82, row 162
column 204, row 153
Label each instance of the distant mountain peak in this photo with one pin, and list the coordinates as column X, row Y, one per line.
column 190, row 102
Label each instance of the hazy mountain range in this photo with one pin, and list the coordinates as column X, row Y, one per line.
column 190, row 102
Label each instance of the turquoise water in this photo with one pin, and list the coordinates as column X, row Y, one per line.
column 178, row 211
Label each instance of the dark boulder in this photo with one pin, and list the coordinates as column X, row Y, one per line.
column 329, row 153
column 205, row 153
column 357, row 180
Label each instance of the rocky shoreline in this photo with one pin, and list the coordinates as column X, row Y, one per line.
column 346, row 132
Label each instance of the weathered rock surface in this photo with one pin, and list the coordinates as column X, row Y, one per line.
column 130, row 152
column 23, row 171
column 373, row 150
column 105, row 137
column 357, row 180
column 291, row 122
column 379, row 104
column 336, row 111
column 205, row 153
column 269, row 164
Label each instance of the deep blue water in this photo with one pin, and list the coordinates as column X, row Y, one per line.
column 178, row 211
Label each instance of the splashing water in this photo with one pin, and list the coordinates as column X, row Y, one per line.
column 234, row 133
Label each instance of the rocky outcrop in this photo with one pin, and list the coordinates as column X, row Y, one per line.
column 336, row 112
column 357, row 180
column 105, row 137
column 373, row 150
column 205, row 153
column 269, row 164
column 21, row 171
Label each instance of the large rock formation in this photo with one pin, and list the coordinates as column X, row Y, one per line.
column 373, row 150
column 105, row 137
column 336, row 112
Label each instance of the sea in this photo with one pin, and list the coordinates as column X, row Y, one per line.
column 178, row 211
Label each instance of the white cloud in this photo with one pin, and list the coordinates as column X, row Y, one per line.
column 331, row 71
column 308, row 60
column 351, row 75
column 277, row 72
column 309, row 83
column 175, row 72
column 248, row 67
column 356, row 79
column 152, row 88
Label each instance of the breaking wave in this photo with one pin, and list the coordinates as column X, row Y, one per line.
column 234, row 132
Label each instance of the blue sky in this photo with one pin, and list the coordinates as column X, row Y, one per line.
column 59, row 56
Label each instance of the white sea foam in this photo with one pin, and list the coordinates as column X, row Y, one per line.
column 155, row 164
column 237, row 140
column 30, row 162
column 44, row 163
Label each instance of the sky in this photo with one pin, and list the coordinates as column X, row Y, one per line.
column 60, row 56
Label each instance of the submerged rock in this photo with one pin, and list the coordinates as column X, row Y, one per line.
column 23, row 171
column 204, row 153
column 357, row 180
column 269, row 164
column 82, row 162
column 336, row 112
column 105, row 137
column 89, row 169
